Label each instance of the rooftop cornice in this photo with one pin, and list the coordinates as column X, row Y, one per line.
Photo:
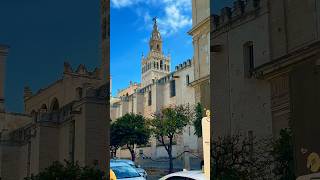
column 197, row 26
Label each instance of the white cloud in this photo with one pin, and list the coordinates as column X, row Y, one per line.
column 175, row 18
column 172, row 17
column 123, row 3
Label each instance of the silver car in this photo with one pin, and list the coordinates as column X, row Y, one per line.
column 140, row 170
column 125, row 171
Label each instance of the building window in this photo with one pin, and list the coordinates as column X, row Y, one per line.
column 157, row 65
column 248, row 56
column 168, row 68
column 149, row 98
column 79, row 92
column 187, row 80
column 172, row 88
column 54, row 105
column 161, row 64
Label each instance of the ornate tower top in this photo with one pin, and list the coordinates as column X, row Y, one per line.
column 155, row 65
column 155, row 40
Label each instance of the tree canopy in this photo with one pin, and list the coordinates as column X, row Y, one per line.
column 129, row 130
column 168, row 123
column 60, row 171
column 198, row 118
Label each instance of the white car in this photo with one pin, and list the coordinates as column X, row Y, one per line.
column 141, row 171
column 185, row 175
column 125, row 171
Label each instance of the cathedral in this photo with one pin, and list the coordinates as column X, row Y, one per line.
column 60, row 120
column 159, row 88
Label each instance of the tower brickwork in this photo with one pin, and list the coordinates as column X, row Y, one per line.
column 155, row 65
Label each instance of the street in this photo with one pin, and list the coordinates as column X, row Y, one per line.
column 159, row 168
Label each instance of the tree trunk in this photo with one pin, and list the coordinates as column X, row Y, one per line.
column 170, row 162
column 133, row 155
column 170, row 156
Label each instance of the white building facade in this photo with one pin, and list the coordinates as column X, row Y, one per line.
column 159, row 88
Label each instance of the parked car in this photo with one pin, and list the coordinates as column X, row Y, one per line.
column 112, row 175
column 125, row 171
column 185, row 175
column 140, row 170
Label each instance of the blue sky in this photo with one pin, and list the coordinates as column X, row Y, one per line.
column 131, row 26
column 43, row 34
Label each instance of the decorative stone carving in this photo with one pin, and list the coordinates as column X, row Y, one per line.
column 206, row 143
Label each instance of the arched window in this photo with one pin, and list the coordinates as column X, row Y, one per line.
column 172, row 88
column 158, row 47
column 54, row 105
column 248, row 58
column 157, row 65
column 161, row 64
column 149, row 98
column 79, row 92
column 187, row 80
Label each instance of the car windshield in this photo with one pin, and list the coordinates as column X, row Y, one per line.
column 131, row 163
column 125, row 172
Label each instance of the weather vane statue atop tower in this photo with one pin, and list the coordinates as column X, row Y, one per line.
column 155, row 32
column 154, row 20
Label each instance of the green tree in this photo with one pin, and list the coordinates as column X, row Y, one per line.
column 168, row 123
column 115, row 141
column 59, row 171
column 131, row 130
column 283, row 155
column 198, row 118
column 240, row 157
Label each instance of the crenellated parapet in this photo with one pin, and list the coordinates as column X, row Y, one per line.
column 184, row 65
column 81, row 71
column 240, row 10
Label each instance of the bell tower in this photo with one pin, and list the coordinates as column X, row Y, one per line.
column 155, row 42
column 155, row 65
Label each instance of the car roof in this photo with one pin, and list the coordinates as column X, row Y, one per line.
column 196, row 174
column 114, row 164
column 123, row 160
